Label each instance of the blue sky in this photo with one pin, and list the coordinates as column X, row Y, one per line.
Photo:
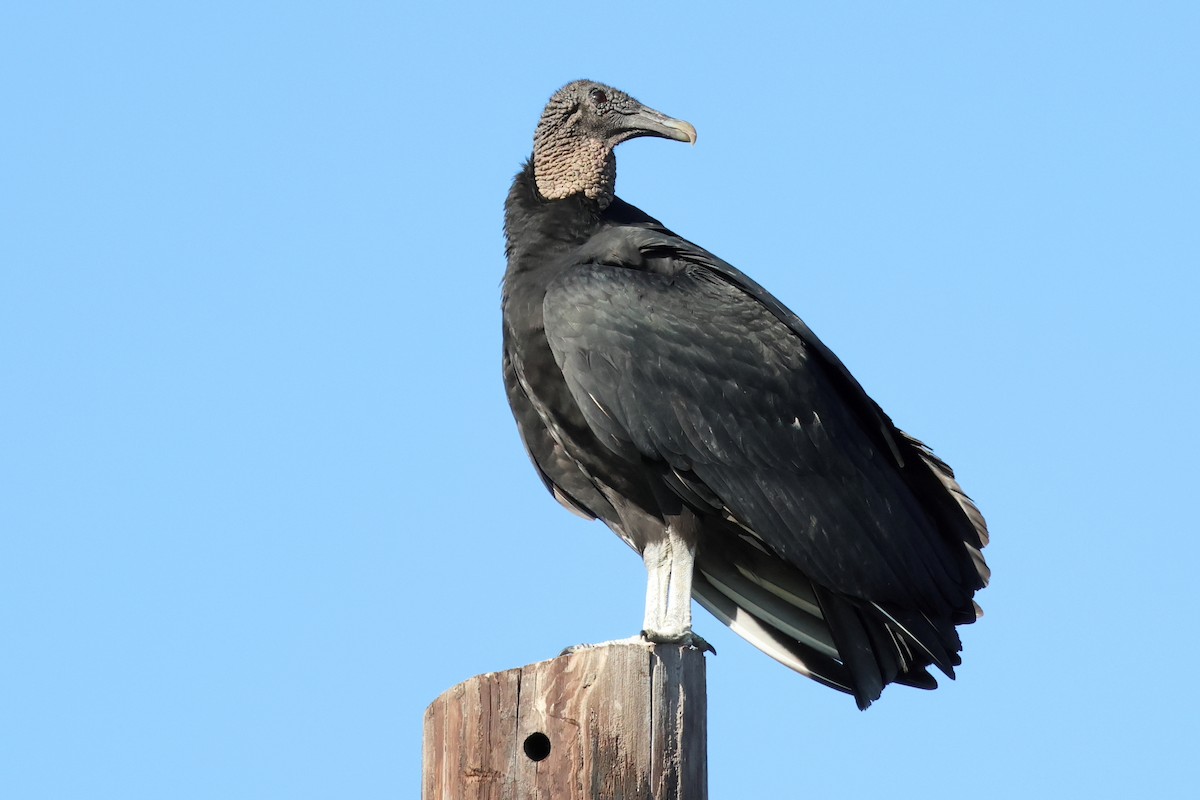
column 261, row 497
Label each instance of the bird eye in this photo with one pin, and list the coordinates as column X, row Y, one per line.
column 599, row 97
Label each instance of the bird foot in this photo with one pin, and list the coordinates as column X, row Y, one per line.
column 685, row 638
column 575, row 648
column 649, row 639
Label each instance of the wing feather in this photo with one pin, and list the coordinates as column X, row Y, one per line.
column 852, row 551
column 702, row 376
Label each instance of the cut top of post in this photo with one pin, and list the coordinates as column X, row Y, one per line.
column 617, row 720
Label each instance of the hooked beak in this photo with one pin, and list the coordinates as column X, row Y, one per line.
column 648, row 122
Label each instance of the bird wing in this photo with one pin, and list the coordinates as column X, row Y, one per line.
column 927, row 475
column 560, row 474
column 676, row 358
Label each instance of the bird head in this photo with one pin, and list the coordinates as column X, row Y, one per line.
column 574, row 141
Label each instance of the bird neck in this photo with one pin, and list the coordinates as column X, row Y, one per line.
column 568, row 165
column 537, row 228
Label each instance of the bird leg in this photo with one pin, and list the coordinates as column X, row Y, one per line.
column 669, row 565
column 670, row 561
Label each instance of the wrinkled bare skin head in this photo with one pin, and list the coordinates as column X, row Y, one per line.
column 574, row 141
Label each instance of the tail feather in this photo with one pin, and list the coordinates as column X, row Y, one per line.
column 789, row 652
column 856, row 649
column 796, row 621
column 936, row 644
column 843, row 642
column 918, row 679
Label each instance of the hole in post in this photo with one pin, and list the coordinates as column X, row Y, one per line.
column 537, row 746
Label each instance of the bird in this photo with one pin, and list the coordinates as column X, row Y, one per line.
column 661, row 390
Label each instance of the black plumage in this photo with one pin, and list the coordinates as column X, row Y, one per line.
column 661, row 390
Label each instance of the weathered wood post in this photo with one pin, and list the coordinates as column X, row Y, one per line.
column 615, row 721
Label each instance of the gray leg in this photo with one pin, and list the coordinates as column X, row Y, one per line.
column 658, row 573
column 669, row 565
column 670, row 562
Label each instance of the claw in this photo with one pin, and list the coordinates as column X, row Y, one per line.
column 649, row 639
column 575, row 648
column 686, row 639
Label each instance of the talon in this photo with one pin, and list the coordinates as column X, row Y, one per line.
column 575, row 648
column 684, row 639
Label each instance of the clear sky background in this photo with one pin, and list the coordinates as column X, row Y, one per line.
column 261, row 496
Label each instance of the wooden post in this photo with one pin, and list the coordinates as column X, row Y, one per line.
column 615, row 721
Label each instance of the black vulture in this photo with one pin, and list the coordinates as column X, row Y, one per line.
column 659, row 389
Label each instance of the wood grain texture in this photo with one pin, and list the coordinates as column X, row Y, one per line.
column 621, row 721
